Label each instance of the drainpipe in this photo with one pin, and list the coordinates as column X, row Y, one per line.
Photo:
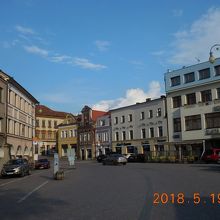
column 203, row 151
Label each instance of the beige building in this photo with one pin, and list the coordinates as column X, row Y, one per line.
column 20, row 109
column 67, row 135
column 4, row 150
column 47, row 121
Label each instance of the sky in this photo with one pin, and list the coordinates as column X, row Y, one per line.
column 103, row 53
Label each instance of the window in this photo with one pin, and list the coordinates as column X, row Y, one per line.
column 130, row 117
column 142, row 115
column 37, row 123
column 158, row 112
column 175, row 81
column 1, row 94
column 212, row 120
column 176, row 124
column 206, row 95
column 102, row 122
column 189, row 77
column 177, row 101
column 1, row 122
column 217, row 70
column 218, row 93
column 43, row 123
column 191, row 99
column 193, row 122
column 116, row 136
column 151, row 132
column 204, row 74
column 55, row 124
column 122, row 119
column 131, row 134
column 123, row 135
column 130, row 149
column 160, row 131
column 143, row 133
column 22, row 130
column 150, row 114
column 70, row 133
column 116, row 120
column 49, row 124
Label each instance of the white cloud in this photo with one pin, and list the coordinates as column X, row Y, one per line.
column 102, row 45
column 132, row 96
column 60, row 58
column 86, row 64
column 24, row 30
column 197, row 40
column 177, row 12
column 36, row 50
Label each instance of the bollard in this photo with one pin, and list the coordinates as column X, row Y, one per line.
column 59, row 175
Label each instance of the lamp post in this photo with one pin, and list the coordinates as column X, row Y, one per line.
column 211, row 57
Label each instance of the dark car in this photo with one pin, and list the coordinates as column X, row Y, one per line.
column 101, row 157
column 211, row 155
column 114, row 159
column 14, row 167
column 137, row 158
column 42, row 164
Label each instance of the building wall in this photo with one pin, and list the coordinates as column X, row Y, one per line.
column 200, row 137
column 141, row 120
column 67, row 138
column 4, row 151
column 20, row 122
column 103, row 135
column 46, row 132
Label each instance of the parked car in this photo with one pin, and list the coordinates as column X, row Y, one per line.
column 14, row 167
column 101, row 157
column 42, row 164
column 115, row 159
column 211, row 155
column 127, row 155
column 137, row 158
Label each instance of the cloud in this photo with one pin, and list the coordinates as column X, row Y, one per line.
column 102, row 45
column 24, row 30
column 86, row 64
column 177, row 12
column 36, row 50
column 132, row 96
column 197, row 40
column 60, row 58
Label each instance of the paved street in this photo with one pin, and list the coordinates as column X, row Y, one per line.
column 94, row 191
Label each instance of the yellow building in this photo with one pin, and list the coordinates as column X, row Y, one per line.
column 67, row 135
column 47, row 121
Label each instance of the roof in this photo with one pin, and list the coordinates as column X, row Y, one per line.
column 44, row 111
column 96, row 114
column 11, row 80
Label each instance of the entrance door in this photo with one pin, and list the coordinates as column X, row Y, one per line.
column 83, row 154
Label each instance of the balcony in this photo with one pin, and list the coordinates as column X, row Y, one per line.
column 212, row 131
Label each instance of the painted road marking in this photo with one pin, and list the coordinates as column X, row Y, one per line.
column 34, row 190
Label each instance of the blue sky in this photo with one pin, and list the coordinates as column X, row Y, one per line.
column 102, row 53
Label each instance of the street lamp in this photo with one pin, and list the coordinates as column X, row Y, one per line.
column 211, row 57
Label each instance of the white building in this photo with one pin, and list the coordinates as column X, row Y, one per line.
column 193, row 108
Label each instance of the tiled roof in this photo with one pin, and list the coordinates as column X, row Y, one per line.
column 44, row 111
column 96, row 114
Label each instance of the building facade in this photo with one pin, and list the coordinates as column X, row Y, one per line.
column 67, row 135
column 140, row 128
column 103, row 134
column 20, row 118
column 193, row 108
column 47, row 121
column 4, row 150
column 86, row 133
